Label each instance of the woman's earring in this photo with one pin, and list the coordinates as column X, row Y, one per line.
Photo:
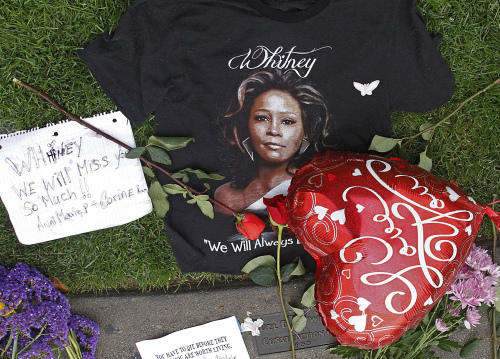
column 304, row 145
column 247, row 147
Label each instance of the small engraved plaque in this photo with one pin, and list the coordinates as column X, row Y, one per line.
column 274, row 336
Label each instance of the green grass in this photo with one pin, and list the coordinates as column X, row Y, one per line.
column 38, row 43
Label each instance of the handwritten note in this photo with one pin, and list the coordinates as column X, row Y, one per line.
column 220, row 339
column 65, row 179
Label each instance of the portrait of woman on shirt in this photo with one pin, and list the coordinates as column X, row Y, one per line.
column 277, row 122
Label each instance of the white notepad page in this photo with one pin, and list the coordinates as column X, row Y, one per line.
column 65, row 179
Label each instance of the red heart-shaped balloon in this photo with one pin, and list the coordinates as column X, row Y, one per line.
column 388, row 239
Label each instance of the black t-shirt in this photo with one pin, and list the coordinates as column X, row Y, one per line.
column 332, row 70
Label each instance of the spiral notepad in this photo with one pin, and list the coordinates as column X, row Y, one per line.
column 64, row 179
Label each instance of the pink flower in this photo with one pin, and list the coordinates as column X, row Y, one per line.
column 476, row 280
column 472, row 317
column 494, row 271
column 454, row 311
column 441, row 325
column 464, row 272
column 479, row 259
column 465, row 291
column 251, row 226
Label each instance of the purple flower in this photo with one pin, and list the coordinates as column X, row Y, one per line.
column 464, row 272
column 476, row 280
column 37, row 310
column 479, row 259
column 465, row 291
column 494, row 271
column 441, row 325
column 472, row 317
column 87, row 333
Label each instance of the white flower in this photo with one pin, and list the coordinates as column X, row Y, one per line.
column 250, row 326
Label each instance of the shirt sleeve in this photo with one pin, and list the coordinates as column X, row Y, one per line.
column 420, row 78
column 136, row 65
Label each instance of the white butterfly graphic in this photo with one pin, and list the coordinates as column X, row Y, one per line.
column 366, row 89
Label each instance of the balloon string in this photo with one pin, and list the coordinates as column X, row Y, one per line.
column 494, row 216
column 489, row 204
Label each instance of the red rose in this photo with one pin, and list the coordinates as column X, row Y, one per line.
column 251, row 226
column 276, row 207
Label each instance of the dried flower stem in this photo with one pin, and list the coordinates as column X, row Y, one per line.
column 280, row 288
column 115, row 140
column 460, row 105
column 495, row 352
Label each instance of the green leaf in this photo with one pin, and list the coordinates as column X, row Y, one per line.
column 170, row 143
column 447, row 345
column 299, row 323
column 297, row 311
column 425, row 162
column 288, row 269
column 148, row 171
column 135, row 152
column 345, row 351
column 265, row 276
column 159, row 199
column 383, row 144
column 192, row 201
column 429, row 150
column 426, row 135
column 182, row 175
column 206, row 207
column 426, row 319
column 159, row 155
column 402, row 153
column 200, row 174
column 172, row 188
column 299, row 269
column 308, row 299
column 262, row 261
column 469, row 347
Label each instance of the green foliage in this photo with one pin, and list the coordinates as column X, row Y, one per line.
column 448, row 345
column 263, row 271
column 264, row 276
column 299, row 321
column 428, row 134
column 148, row 171
column 383, row 144
column 469, row 348
column 204, row 204
column 292, row 270
column 159, row 155
column 345, row 351
column 425, row 162
column 157, row 148
column 308, row 299
column 136, row 152
column 184, row 175
column 159, row 199
column 262, row 261
column 173, row 188
column 169, row 143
